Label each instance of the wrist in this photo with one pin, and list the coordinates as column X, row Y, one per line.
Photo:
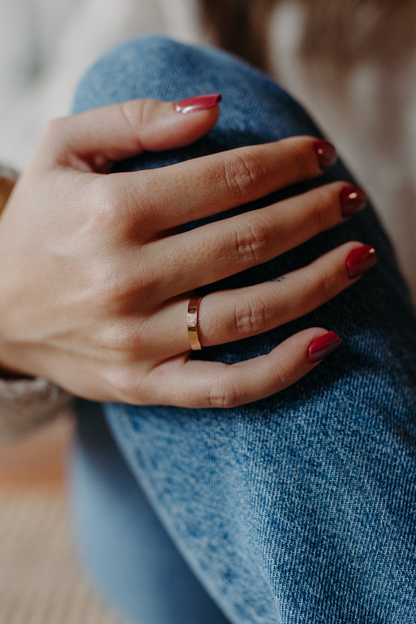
column 8, row 178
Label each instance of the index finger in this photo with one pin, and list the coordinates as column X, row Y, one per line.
column 171, row 196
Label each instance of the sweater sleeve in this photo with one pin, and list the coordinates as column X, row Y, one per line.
column 27, row 403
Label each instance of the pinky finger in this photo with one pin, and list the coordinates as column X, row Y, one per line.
column 196, row 384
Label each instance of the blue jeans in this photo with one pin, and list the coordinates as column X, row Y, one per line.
column 297, row 508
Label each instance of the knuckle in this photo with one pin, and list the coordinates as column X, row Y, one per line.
column 327, row 210
column 325, row 284
column 120, row 210
column 126, row 384
column 110, row 297
column 116, row 291
column 137, row 114
column 105, row 218
column 125, row 339
column 243, row 173
column 112, row 210
column 252, row 241
column 223, row 393
column 283, row 377
column 130, row 382
column 250, row 316
column 302, row 159
column 104, row 214
column 322, row 211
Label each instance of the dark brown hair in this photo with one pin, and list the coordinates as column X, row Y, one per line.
column 344, row 29
column 239, row 26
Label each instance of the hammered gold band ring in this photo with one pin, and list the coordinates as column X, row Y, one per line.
column 192, row 322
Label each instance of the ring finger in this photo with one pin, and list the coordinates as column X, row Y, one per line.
column 231, row 315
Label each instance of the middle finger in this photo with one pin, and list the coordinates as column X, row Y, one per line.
column 217, row 250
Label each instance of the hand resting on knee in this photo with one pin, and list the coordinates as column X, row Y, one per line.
column 96, row 273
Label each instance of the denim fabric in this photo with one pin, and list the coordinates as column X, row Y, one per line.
column 300, row 507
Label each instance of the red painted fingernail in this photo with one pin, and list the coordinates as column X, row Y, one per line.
column 199, row 103
column 353, row 199
column 360, row 260
column 326, row 152
column 323, row 346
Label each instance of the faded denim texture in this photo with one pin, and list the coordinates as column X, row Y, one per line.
column 300, row 508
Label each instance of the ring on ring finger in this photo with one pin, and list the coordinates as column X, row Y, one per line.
column 192, row 323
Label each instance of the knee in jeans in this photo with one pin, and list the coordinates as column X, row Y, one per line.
column 160, row 51
column 145, row 67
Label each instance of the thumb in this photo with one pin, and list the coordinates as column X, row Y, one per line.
column 102, row 136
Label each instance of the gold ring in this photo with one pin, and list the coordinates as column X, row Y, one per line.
column 192, row 321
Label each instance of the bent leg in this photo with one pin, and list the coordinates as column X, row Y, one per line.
column 300, row 507
column 132, row 559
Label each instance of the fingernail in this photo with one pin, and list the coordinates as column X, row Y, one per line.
column 323, row 346
column 353, row 199
column 199, row 103
column 326, row 152
column 360, row 260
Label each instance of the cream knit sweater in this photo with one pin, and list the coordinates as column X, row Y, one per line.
column 369, row 112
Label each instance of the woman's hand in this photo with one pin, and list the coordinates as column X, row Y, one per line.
column 95, row 274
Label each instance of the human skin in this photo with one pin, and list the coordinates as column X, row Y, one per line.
column 96, row 273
